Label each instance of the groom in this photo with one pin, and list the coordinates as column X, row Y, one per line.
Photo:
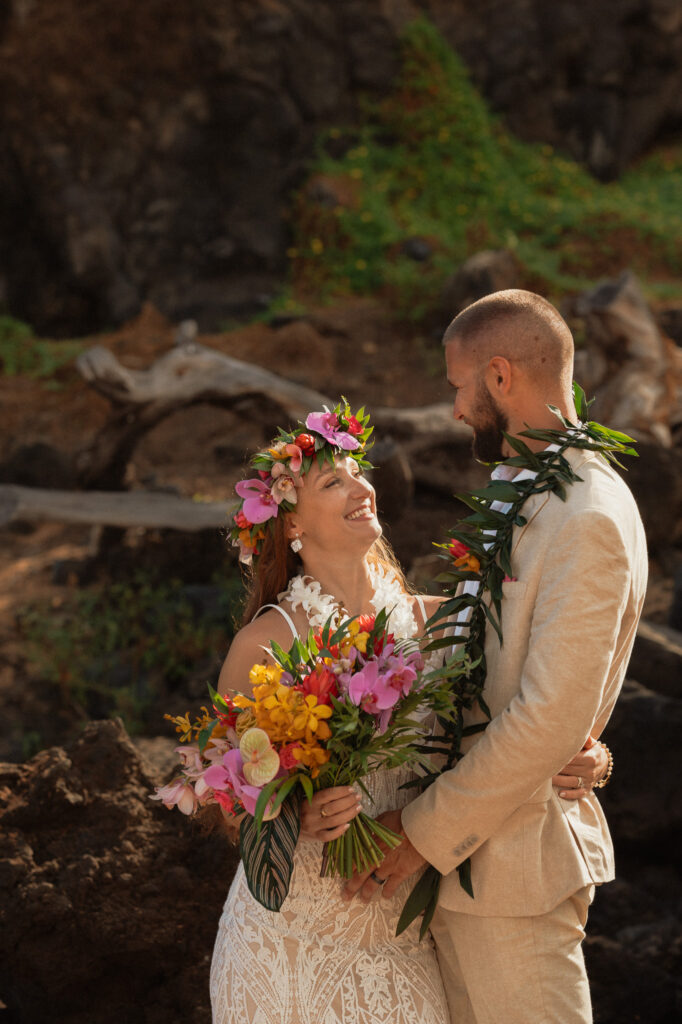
column 512, row 955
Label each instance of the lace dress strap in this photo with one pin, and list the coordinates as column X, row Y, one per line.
column 422, row 608
column 286, row 616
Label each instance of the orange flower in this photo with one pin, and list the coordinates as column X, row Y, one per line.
column 464, row 559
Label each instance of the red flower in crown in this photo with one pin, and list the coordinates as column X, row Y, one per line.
column 354, row 427
column 306, row 442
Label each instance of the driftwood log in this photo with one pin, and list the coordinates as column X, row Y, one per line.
column 114, row 508
column 192, row 374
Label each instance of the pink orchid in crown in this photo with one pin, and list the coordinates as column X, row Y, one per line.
column 327, row 425
column 177, row 793
column 294, row 456
column 283, row 486
column 259, row 504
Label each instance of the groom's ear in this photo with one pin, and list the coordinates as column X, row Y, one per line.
column 499, row 375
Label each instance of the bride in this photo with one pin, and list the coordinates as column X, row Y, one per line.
column 315, row 545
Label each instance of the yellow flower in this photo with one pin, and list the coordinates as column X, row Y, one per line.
column 354, row 639
column 312, row 756
column 202, row 721
column 261, row 674
column 183, row 726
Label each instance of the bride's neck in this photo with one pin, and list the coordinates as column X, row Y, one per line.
column 347, row 581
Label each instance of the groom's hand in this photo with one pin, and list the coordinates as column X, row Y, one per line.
column 397, row 865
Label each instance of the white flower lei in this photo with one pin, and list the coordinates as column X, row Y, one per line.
column 306, row 592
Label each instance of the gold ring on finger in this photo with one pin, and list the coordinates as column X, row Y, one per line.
column 580, row 782
column 323, row 813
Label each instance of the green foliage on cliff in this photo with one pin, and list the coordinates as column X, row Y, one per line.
column 21, row 353
column 430, row 162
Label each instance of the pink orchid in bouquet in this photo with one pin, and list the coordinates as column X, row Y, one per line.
column 324, row 714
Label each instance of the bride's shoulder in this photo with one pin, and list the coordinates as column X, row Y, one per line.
column 429, row 602
column 251, row 646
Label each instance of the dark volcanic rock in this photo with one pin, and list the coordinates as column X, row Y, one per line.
column 643, row 802
column 110, row 901
column 135, row 170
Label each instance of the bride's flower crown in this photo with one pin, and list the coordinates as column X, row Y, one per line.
column 281, row 467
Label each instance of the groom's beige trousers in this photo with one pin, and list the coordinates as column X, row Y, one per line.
column 516, row 970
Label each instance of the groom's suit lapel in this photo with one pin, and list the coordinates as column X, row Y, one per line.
column 530, row 510
column 576, row 457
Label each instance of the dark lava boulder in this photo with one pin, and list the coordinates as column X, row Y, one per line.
column 110, row 902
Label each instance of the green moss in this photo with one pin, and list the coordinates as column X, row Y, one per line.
column 22, row 354
column 431, row 162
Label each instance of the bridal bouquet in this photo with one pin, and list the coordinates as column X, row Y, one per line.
column 326, row 714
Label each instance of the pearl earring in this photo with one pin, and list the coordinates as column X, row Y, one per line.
column 296, row 545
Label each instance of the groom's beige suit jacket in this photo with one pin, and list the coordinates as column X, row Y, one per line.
column 568, row 620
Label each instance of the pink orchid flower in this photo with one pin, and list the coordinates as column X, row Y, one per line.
column 177, row 793
column 402, row 674
column 259, row 504
column 371, row 691
column 284, row 485
column 295, row 457
column 191, row 760
column 229, row 777
column 327, row 425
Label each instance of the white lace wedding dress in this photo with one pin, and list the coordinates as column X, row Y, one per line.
column 321, row 960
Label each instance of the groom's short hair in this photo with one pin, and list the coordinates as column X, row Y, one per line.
column 519, row 325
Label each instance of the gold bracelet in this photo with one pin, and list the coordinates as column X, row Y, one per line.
column 609, row 768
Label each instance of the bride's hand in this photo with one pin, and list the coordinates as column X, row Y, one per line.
column 583, row 771
column 327, row 815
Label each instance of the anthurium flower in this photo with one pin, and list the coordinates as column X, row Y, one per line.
column 327, row 425
column 228, row 777
column 259, row 504
column 260, row 761
column 177, row 793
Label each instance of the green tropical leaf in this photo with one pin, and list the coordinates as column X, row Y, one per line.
column 422, row 897
column 464, row 872
column 268, row 856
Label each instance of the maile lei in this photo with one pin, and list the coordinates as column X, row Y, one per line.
column 483, row 541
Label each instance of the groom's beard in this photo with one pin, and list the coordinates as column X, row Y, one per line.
column 489, row 430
